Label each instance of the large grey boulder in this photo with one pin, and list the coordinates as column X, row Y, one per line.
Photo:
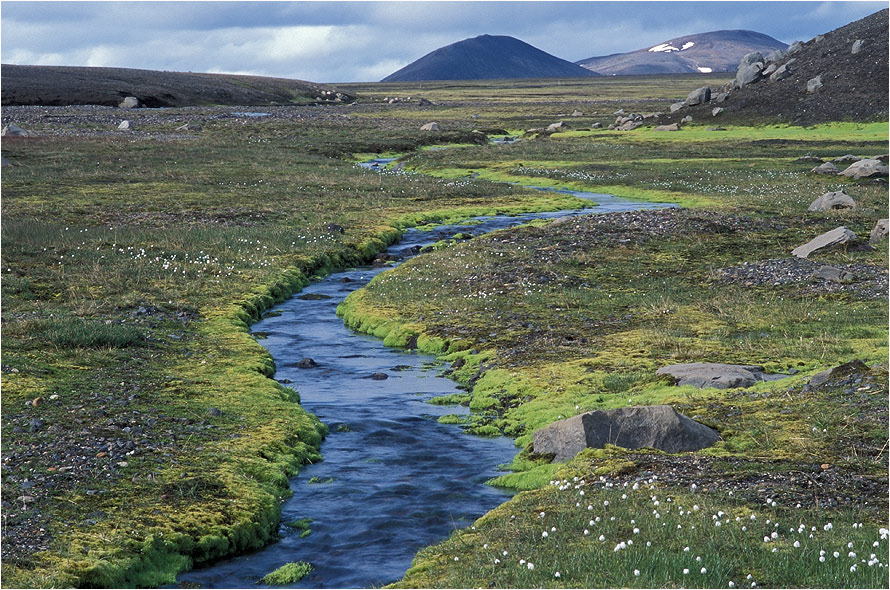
column 879, row 232
column 783, row 71
column 775, row 56
column 748, row 74
column 844, row 370
column 677, row 106
column 867, row 168
column 717, row 375
column 13, row 130
column 430, row 127
column 658, row 427
column 839, row 236
column 751, row 58
column 698, row 96
column 832, row 200
column 826, row 168
column 794, row 48
column 131, row 102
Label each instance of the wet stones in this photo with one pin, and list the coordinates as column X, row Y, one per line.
column 659, row 427
column 306, row 363
column 716, row 375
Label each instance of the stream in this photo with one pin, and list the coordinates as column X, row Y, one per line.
column 393, row 479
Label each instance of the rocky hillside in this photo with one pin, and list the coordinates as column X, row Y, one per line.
column 68, row 85
column 488, row 57
column 838, row 76
column 717, row 51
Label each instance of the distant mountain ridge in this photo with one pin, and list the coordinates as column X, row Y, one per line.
column 716, row 51
column 488, row 57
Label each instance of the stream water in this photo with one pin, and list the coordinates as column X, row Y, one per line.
column 393, row 480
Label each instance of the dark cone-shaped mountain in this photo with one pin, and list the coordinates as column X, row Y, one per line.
column 717, row 51
column 488, row 57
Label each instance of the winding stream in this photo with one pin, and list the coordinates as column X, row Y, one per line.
column 393, row 480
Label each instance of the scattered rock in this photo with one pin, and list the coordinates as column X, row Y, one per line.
column 215, row 412
column 629, row 125
column 698, row 96
column 36, row 425
column 835, row 275
column 671, row 127
column 716, row 111
column 555, row 127
column 659, row 427
column 879, row 232
column 596, row 125
column 748, row 75
column 832, row 200
column 775, row 56
column 306, row 363
column 750, row 59
column 432, row 126
column 794, row 48
column 424, row 102
column 13, row 130
column 188, row 127
column 717, row 375
column 839, row 236
column 826, row 168
column 677, row 106
column 686, row 119
column 854, row 366
column 782, row 72
column 131, row 102
column 858, row 44
column 721, row 97
column 846, row 159
column 768, row 70
column 866, row 168
column 379, row 376
column 810, row 159
column 814, row 84
column 124, row 126
column 577, row 113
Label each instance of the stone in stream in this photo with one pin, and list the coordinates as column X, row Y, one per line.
column 839, row 236
column 306, row 363
column 379, row 376
column 658, row 427
column 832, row 200
column 717, row 375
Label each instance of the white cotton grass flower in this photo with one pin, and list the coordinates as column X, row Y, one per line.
column 704, row 570
column 530, row 565
column 685, row 571
column 557, row 575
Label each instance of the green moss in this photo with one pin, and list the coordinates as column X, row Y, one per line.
column 289, row 573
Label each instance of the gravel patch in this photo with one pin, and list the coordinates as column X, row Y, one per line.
column 867, row 281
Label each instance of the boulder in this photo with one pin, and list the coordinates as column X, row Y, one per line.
column 832, row 274
column 847, row 159
column 671, row 127
column 768, row 70
column 698, row 96
column 867, row 168
column 858, row 44
column 748, row 75
column 629, row 125
column 810, row 159
column 775, row 56
column 432, row 126
column 13, row 130
column 686, row 119
column 839, row 236
column 832, row 200
column 596, row 125
column 751, row 58
column 131, row 102
column 379, row 376
column 716, row 111
column 677, row 106
column 306, row 363
column 658, row 427
column 577, row 113
column 814, row 84
column 879, row 232
column 783, row 71
column 125, row 126
column 826, row 168
column 794, row 48
column 855, row 366
column 555, row 127
column 423, row 102
column 716, row 375
column 721, row 97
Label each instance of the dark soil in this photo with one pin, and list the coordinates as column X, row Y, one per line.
column 68, row 85
column 855, row 87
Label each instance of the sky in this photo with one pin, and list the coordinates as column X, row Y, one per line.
column 366, row 41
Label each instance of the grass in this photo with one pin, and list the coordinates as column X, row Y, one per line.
column 289, row 573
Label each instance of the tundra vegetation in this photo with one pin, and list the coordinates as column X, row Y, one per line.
column 143, row 434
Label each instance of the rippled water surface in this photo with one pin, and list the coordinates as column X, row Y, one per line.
column 393, row 479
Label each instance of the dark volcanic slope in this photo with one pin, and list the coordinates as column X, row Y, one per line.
column 718, row 51
column 487, row 57
column 69, row 85
column 855, row 86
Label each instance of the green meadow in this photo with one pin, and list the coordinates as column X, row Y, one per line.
column 142, row 431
